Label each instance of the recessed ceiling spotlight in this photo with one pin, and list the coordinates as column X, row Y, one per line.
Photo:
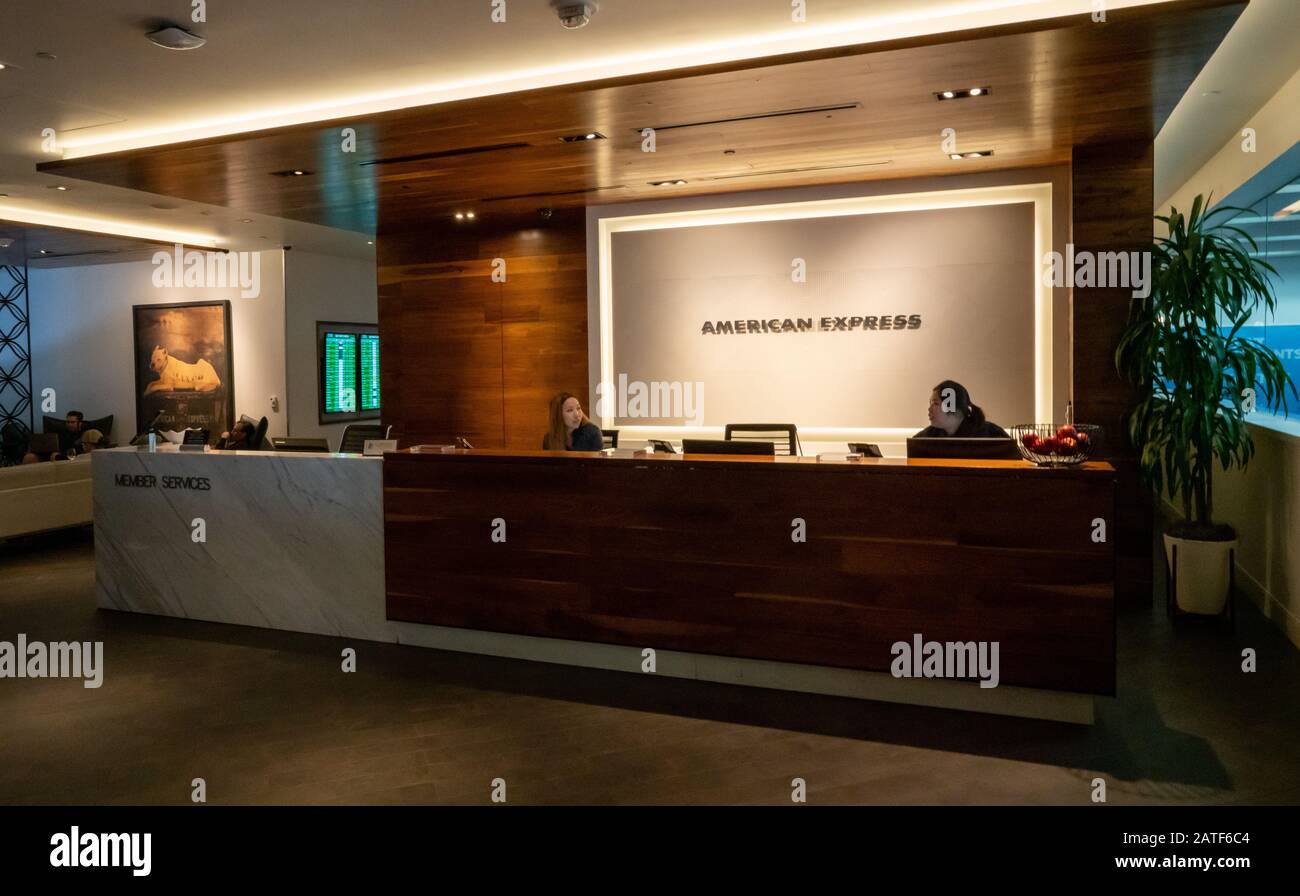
column 174, row 37
column 60, row 187
column 667, row 183
column 583, row 137
column 370, row 242
column 575, row 15
column 45, row 251
column 962, row 94
column 245, row 220
column 954, row 156
column 293, row 172
column 460, row 216
column 973, row 154
column 48, row 57
column 469, row 215
column 2, row 66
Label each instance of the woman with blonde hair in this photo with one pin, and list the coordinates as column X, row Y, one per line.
column 570, row 430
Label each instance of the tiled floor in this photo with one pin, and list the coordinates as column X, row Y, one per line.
column 269, row 717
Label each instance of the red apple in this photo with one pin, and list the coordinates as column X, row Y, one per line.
column 1047, row 446
column 1082, row 438
column 1067, row 432
column 1029, row 439
column 1068, row 445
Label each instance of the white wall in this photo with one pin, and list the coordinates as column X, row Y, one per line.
column 1058, row 299
column 82, row 338
column 1277, row 129
column 320, row 287
column 1263, row 505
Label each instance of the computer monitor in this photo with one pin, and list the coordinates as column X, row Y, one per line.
column 280, row 443
column 963, row 447
column 722, row 446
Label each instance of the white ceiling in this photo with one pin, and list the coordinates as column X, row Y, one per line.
column 1260, row 54
column 287, row 61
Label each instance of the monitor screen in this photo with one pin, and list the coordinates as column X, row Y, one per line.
column 348, row 356
column 369, row 371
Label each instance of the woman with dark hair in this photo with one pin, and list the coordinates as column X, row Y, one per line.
column 953, row 414
column 570, row 430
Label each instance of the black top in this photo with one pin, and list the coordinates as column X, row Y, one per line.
column 985, row 430
column 586, row 437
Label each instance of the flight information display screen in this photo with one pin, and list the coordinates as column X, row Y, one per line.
column 348, row 357
column 339, row 373
column 369, row 371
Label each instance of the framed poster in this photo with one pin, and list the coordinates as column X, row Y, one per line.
column 183, row 366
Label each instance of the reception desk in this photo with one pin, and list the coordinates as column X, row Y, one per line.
column 782, row 573
column 782, row 560
column 271, row 539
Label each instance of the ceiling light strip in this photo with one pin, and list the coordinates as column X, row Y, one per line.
column 108, row 228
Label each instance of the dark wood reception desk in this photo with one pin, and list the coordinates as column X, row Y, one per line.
column 703, row 554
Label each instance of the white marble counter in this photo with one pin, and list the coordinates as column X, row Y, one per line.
column 293, row 540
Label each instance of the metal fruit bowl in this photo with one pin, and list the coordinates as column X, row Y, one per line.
column 1056, row 445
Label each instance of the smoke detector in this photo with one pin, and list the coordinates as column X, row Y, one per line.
column 174, row 37
column 575, row 15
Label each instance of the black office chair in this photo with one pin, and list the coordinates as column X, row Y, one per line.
column 610, row 437
column 356, row 435
column 784, row 436
column 258, row 441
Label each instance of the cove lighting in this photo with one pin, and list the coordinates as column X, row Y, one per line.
column 914, row 21
column 105, row 226
column 1040, row 194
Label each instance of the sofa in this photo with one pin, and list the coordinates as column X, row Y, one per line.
column 40, row 497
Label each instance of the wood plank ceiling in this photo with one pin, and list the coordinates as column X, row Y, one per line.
column 1054, row 84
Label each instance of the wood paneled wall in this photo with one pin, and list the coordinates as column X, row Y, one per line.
column 467, row 356
column 1113, row 198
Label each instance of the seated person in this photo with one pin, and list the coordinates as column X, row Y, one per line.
column 92, row 440
column 962, row 418
column 570, row 429
column 238, row 438
column 69, row 437
column 44, row 446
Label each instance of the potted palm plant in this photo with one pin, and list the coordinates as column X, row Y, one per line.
column 1197, row 378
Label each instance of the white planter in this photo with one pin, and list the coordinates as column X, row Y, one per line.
column 1203, row 574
